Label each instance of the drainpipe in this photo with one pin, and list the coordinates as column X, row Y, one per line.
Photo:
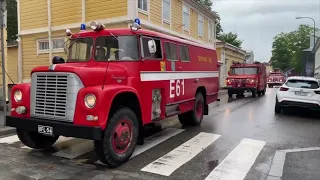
column 20, row 69
column 49, row 31
column 83, row 11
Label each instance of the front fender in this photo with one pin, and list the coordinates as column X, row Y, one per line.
column 25, row 101
column 104, row 99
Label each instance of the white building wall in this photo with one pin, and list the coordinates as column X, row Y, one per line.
column 317, row 64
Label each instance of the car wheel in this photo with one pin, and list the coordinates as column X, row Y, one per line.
column 277, row 107
column 119, row 138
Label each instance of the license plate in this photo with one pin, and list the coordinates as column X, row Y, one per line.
column 45, row 130
column 301, row 93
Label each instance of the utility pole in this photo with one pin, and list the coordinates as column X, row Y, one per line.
column 3, row 6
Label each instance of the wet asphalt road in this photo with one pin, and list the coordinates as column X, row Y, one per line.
column 231, row 120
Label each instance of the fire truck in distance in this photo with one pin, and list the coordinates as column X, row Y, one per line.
column 113, row 83
column 247, row 77
column 276, row 78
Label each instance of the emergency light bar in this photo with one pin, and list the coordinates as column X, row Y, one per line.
column 136, row 25
column 96, row 26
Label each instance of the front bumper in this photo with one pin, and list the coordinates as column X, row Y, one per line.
column 289, row 103
column 239, row 89
column 59, row 128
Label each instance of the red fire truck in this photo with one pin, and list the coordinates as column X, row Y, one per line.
column 247, row 77
column 276, row 78
column 113, row 83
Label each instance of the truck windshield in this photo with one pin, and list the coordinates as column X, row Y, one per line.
column 80, row 49
column 244, row 70
column 116, row 48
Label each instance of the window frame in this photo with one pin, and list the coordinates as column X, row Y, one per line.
column 168, row 21
column 183, row 19
column 91, row 54
column 141, row 48
column 183, row 45
column 146, row 12
column 211, row 32
column 200, row 19
column 164, row 47
column 46, row 40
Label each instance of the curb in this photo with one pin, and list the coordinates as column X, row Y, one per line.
column 4, row 130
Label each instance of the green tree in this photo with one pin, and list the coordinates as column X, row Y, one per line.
column 287, row 48
column 12, row 20
column 231, row 38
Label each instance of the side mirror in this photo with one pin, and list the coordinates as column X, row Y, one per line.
column 57, row 60
column 152, row 46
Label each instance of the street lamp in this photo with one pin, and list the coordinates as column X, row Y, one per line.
column 314, row 30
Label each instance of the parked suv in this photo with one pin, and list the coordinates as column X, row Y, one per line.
column 298, row 91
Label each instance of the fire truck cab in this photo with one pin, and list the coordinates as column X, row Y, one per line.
column 247, row 77
column 112, row 84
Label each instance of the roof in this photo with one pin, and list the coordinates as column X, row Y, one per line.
column 127, row 31
column 230, row 46
column 302, row 78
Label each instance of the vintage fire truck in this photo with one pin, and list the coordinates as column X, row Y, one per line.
column 276, row 78
column 247, row 77
column 113, row 83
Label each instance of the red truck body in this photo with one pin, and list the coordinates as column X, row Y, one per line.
column 276, row 78
column 247, row 77
column 115, row 82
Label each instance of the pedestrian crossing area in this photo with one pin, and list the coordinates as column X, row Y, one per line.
column 235, row 165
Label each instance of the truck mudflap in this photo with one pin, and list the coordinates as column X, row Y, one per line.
column 47, row 127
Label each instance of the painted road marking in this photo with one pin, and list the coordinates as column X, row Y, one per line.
column 277, row 165
column 238, row 163
column 58, row 143
column 154, row 140
column 168, row 163
column 10, row 139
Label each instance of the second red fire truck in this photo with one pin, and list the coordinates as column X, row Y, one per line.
column 113, row 83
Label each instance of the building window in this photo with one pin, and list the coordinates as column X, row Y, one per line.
column 57, row 45
column 166, row 8
column 143, row 5
column 186, row 17
column 184, row 53
column 171, row 51
column 211, row 30
column 200, row 25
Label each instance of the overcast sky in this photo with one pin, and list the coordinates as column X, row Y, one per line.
column 257, row 21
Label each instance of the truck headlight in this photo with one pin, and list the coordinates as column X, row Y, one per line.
column 17, row 95
column 90, row 100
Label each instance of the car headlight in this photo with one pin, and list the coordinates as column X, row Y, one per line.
column 17, row 95
column 90, row 100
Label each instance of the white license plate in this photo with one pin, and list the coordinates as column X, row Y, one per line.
column 45, row 130
column 301, row 93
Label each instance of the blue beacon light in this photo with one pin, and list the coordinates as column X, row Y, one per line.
column 83, row 27
column 137, row 21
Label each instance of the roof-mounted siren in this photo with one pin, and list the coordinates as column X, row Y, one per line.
column 83, row 27
column 96, row 26
column 136, row 25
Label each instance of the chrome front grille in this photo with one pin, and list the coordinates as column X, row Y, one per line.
column 54, row 94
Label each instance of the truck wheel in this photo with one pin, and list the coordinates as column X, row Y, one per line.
column 230, row 94
column 264, row 91
column 254, row 93
column 194, row 117
column 119, row 138
column 35, row 140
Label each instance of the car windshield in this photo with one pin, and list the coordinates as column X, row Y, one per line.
column 116, row 48
column 297, row 83
column 80, row 49
column 245, row 70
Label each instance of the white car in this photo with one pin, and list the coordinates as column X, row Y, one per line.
column 298, row 91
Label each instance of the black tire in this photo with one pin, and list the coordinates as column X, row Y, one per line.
column 277, row 107
column 106, row 150
column 230, row 94
column 194, row 117
column 264, row 91
column 254, row 93
column 35, row 140
column 259, row 93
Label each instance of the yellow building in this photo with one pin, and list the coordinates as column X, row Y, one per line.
column 227, row 55
column 42, row 24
